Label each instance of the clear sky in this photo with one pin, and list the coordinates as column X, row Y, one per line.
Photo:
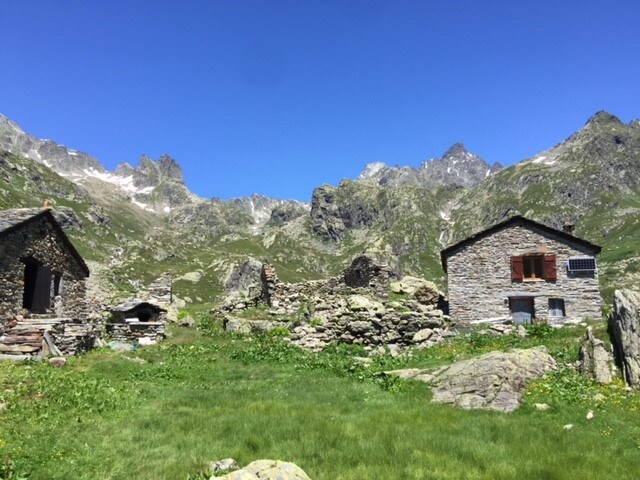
column 278, row 97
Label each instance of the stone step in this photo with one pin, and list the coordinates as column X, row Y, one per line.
column 17, row 357
column 19, row 348
column 44, row 321
column 31, row 338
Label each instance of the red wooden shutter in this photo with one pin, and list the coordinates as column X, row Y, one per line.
column 517, row 269
column 550, row 270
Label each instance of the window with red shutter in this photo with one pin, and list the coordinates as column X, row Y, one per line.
column 517, row 270
column 550, row 270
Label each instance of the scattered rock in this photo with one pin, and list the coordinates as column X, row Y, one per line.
column 57, row 361
column 625, row 329
column 590, row 415
column 541, row 406
column 568, row 426
column 422, row 335
column 224, row 465
column 187, row 322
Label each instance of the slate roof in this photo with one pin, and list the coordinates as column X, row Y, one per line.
column 135, row 304
column 516, row 220
column 16, row 218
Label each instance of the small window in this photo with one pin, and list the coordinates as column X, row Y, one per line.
column 57, row 284
column 556, row 307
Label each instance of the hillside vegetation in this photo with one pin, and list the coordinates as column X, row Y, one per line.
column 165, row 411
column 139, row 222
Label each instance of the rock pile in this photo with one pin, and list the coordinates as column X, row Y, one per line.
column 353, row 308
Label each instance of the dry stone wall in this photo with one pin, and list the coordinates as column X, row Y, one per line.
column 479, row 277
column 323, row 311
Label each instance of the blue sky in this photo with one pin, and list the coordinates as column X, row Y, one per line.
column 278, row 97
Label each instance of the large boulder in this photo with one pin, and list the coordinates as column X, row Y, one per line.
column 407, row 285
column 360, row 303
column 596, row 362
column 244, row 280
column 267, row 470
column 625, row 332
column 494, row 381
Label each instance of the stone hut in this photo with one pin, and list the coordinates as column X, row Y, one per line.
column 41, row 272
column 522, row 270
column 136, row 320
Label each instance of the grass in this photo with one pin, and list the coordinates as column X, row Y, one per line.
column 163, row 412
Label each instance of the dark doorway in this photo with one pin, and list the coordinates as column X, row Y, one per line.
column 37, row 287
column 522, row 310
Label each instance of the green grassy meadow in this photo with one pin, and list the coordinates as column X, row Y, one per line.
column 163, row 412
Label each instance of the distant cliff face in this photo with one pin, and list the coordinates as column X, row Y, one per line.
column 457, row 167
column 58, row 157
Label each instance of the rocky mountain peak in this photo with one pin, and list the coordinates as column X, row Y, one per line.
column 603, row 118
column 457, row 150
column 151, row 174
column 169, row 168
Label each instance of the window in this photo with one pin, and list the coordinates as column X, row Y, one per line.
column 534, row 267
column 57, row 284
column 556, row 307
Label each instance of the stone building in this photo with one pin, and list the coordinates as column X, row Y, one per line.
column 522, row 270
column 41, row 272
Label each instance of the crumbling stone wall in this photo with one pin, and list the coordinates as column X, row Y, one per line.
column 365, row 272
column 325, row 311
column 39, row 240
column 134, row 331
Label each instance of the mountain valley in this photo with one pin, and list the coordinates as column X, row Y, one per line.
column 135, row 223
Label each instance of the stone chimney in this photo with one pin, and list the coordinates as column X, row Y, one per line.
column 568, row 228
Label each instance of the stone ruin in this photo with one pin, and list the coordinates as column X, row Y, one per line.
column 362, row 306
column 138, row 321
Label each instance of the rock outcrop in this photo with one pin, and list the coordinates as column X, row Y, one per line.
column 266, row 470
column 625, row 330
column 494, row 381
column 596, row 361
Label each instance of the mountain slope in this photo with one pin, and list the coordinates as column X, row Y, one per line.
column 138, row 222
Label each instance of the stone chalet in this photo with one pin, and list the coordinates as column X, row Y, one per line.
column 40, row 270
column 522, row 270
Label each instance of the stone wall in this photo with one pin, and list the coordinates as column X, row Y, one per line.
column 39, row 240
column 479, row 277
column 135, row 331
column 319, row 312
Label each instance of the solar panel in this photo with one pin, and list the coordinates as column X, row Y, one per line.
column 582, row 264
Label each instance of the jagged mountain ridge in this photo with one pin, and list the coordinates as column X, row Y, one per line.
column 591, row 179
column 456, row 167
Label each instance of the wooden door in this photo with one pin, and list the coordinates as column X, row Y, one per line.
column 521, row 310
column 42, row 293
